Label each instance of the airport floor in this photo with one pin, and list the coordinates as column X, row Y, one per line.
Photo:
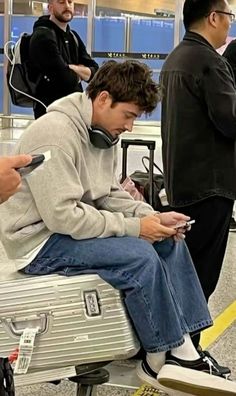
column 220, row 340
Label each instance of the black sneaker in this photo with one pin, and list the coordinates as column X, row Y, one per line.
column 232, row 226
column 223, row 370
column 197, row 377
column 148, row 376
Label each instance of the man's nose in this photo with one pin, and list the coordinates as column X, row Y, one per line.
column 68, row 4
column 129, row 125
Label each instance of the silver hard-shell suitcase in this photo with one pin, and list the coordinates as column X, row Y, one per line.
column 80, row 319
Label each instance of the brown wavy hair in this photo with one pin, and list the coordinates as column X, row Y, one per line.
column 128, row 81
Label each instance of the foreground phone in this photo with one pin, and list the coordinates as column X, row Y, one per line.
column 37, row 159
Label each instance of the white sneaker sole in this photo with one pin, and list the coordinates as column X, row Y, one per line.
column 147, row 379
column 195, row 382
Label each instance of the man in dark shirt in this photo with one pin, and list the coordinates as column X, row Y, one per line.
column 230, row 55
column 198, row 134
column 58, row 56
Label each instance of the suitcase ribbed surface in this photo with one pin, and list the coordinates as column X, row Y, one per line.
column 64, row 307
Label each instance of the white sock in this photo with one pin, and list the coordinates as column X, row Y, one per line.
column 186, row 351
column 156, row 360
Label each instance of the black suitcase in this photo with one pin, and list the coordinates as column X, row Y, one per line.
column 150, row 184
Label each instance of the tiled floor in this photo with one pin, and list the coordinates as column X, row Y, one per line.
column 223, row 348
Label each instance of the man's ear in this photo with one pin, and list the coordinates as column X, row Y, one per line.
column 212, row 19
column 104, row 98
column 49, row 6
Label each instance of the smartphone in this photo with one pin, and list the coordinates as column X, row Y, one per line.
column 185, row 224
column 188, row 223
column 37, row 159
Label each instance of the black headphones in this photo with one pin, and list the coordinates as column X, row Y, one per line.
column 101, row 138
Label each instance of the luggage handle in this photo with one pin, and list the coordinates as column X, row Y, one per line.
column 125, row 143
column 151, row 144
column 43, row 327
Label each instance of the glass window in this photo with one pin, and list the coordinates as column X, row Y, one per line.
column 121, row 29
column 25, row 13
column 135, row 30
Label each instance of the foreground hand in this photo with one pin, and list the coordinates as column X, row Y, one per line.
column 10, row 180
column 152, row 230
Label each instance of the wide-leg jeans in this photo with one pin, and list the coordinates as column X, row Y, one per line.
column 161, row 289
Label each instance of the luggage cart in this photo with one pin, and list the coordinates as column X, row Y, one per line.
column 121, row 375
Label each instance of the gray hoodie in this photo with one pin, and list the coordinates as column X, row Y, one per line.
column 75, row 193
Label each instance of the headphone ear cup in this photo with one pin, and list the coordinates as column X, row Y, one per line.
column 101, row 138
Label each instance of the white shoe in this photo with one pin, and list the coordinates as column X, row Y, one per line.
column 198, row 383
column 148, row 376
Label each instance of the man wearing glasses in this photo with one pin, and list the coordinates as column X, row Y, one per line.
column 198, row 135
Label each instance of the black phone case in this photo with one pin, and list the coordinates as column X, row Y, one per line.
column 37, row 159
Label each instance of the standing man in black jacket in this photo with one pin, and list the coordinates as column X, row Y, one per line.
column 230, row 55
column 198, row 134
column 58, row 56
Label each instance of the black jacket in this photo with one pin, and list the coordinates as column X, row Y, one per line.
column 230, row 55
column 198, row 123
column 51, row 51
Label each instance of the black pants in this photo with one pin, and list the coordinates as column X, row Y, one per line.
column 207, row 240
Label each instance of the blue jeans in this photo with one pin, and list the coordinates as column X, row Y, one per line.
column 160, row 286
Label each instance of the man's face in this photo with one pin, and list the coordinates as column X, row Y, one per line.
column 115, row 118
column 62, row 10
column 224, row 21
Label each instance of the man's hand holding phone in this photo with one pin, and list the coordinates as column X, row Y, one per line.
column 152, row 230
column 159, row 226
column 177, row 221
column 182, row 228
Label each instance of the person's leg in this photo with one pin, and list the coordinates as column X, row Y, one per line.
column 184, row 369
column 158, row 291
column 207, row 240
column 160, row 288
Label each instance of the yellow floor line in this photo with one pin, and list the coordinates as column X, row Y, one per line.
column 146, row 390
column 221, row 323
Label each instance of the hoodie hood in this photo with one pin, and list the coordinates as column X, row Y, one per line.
column 78, row 108
column 46, row 22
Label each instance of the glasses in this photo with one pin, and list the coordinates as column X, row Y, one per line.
column 230, row 14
